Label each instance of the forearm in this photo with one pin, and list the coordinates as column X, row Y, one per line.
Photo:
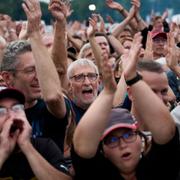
column 75, row 43
column 125, row 13
column 89, row 130
column 2, row 158
column 176, row 70
column 116, row 45
column 120, row 92
column 141, row 24
column 40, row 167
column 97, row 52
column 59, row 52
column 153, row 112
column 48, row 77
column 116, row 32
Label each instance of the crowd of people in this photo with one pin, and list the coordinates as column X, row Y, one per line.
column 89, row 101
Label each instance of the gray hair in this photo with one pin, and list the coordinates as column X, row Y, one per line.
column 78, row 63
column 11, row 53
column 83, row 49
column 150, row 66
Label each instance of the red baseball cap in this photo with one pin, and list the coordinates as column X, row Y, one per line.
column 119, row 118
column 156, row 34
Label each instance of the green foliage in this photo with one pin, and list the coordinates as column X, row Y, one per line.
column 81, row 11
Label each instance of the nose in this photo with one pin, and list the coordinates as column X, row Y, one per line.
column 86, row 80
column 11, row 114
column 122, row 143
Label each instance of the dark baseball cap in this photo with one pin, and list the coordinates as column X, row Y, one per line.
column 119, row 118
column 6, row 92
column 158, row 34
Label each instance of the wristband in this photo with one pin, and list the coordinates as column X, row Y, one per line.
column 134, row 80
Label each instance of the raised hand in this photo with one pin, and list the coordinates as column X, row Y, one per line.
column 59, row 9
column 92, row 29
column 133, row 10
column 148, row 53
column 172, row 51
column 133, row 57
column 25, row 131
column 108, row 75
column 7, row 140
column 114, row 5
column 23, row 33
column 33, row 12
column 102, row 24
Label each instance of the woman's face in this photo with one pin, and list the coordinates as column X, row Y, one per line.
column 126, row 155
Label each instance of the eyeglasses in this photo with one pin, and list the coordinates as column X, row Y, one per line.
column 27, row 71
column 159, row 40
column 81, row 77
column 15, row 108
column 128, row 137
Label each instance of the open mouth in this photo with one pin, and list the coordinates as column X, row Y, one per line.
column 90, row 91
column 126, row 156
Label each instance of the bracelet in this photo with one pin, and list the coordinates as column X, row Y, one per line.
column 134, row 79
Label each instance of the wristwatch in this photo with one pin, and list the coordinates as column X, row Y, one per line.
column 134, row 79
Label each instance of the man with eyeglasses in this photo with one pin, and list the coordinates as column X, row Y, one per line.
column 27, row 66
column 22, row 157
column 159, row 40
column 84, row 80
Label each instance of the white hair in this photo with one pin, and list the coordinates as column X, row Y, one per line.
column 80, row 62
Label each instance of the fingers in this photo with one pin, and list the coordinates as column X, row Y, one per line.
column 136, row 3
column 59, row 9
column 108, row 76
column 5, row 132
column 31, row 6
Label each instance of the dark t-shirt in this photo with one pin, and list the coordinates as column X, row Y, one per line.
column 17, row 167
column 161, row 163
column 79, row 112
column 44, row 124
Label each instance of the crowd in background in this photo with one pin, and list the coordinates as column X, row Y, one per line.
column 92, row 99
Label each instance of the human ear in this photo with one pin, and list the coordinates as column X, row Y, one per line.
column 7, row 77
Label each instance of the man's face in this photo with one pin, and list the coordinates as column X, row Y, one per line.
column 158, row 83
column 103, row 43
column 123, row 35
column 9, row 104
column 25, row 78
column 159, row 44
column 84, row 92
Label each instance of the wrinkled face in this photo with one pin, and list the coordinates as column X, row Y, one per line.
column 84, row 92
column 126, row 155
column 25, row 78
column 159, row 44
column 158, row 83
column 103, row 43
column 10, row 103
